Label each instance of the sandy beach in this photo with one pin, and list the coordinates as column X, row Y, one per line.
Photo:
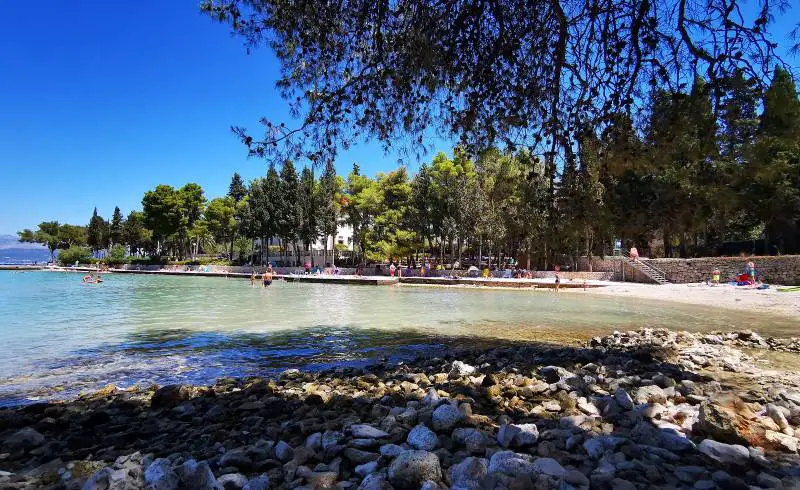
column 722, row 296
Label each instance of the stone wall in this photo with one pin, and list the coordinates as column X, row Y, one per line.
column 784, row 269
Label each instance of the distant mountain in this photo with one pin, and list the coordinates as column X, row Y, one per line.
column 12, row 251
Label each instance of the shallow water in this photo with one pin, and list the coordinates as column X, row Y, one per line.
column 60, row 336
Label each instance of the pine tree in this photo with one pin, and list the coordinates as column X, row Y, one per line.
column 291, row 213
column 308, row 200
column 237, row 190
column 328, row 212
column 115, row 230
column 97, row 232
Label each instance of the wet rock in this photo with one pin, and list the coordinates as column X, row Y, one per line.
column 411, row 468
column 232, row 481
column 160, row 476
column 468, row 474
column 421, row 437
column 26, row 438
column 732, row 454
column 364, row 431
column 445, row 417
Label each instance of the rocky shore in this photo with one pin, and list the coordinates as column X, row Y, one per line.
column 644, row 409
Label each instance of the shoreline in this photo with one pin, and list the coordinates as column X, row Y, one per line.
column 640, row 409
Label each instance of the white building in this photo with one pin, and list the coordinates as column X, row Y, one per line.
column 344, row 236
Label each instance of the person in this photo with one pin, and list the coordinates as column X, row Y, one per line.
column 715, row 276
column 422, row 270
column 99, row 279
column 253, row 278
column 557, row 270
column 634, row 254
column 392, row 268
column 267, row 277
column 485, row 273
column 307, row 267
column 751, row 269
column 360, row 269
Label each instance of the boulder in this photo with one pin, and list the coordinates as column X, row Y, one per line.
column 445, row 417
column 510, row 463
column 411, row 468
column 160, row 476
column 781, row 441
column 172, row 395
column 421, row 437
column 727, row 418
column 468, row 474
column 549, row 467
column 364, row 431
column 732, row 454
column 26, row 438
column 475, row 440
column 197, row 476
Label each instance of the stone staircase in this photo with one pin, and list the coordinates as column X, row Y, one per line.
column 648, row 270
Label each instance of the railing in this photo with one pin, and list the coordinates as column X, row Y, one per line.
column 647, row 269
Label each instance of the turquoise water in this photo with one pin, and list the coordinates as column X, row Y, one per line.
column 60, row 336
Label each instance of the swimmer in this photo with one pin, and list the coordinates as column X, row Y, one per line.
column 267, row 277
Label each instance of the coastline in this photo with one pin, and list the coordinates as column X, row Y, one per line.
column 641, row 409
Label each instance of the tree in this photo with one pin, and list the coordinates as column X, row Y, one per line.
column 328, row 211
column 237, row 189
column 116, row 226
column 135, row 235
column 220, row 220
column 516, row 72
column 47, row 234
column 308, row 203
column 161, row 210
column 97, row 232
column 201, row 237
column 291, row 212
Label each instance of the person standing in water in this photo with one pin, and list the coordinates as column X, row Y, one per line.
column 557, row 270
column 253, row 277
column 267, row 277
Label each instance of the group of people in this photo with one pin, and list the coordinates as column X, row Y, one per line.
column 749, row 277
column 266, row 277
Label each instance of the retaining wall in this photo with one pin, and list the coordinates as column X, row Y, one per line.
column 783, row 269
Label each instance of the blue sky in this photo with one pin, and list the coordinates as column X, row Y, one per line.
column 101, row 101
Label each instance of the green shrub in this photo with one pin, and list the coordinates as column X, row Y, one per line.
column 147, row 260
column 74, row 254
column 117, row 255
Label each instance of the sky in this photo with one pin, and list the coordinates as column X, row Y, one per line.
column 101, row 101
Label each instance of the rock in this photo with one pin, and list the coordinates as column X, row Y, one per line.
column 26, row 438
column 475, row 440
column 413, row 467
column 330, row 438
column 549, row 467
column 237, row 458
column 172, row 395
column 283, row 452
column 782, row 441
column 672, row 440
column 468, row 474
column 323, row 480
column 727, row 418
column 517, row 435
column 316, row 398
column 445, row 417
column 375, row 481
column 779, row 418
column 650, row 394
column 732, row 454
column 690, row 474
column 232, row 481
column 551, row 405
column 577, row 478
column 623, row 399
column 596, row 447
column 364, row 431
column 620, row 484
column 196, row 476
column 431, row 398
column 554, row 374
column 391, row 450
column 258, row 483
column 510, row 463
column 365, row 469
column 461, row 369
column 587, row 407
column 358, row 456
column 314, row 441
column 421, row 437
column 160, row 476
column 765, row 480
column 99, row 480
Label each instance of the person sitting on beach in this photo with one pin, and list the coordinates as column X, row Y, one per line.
column 267, row 277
